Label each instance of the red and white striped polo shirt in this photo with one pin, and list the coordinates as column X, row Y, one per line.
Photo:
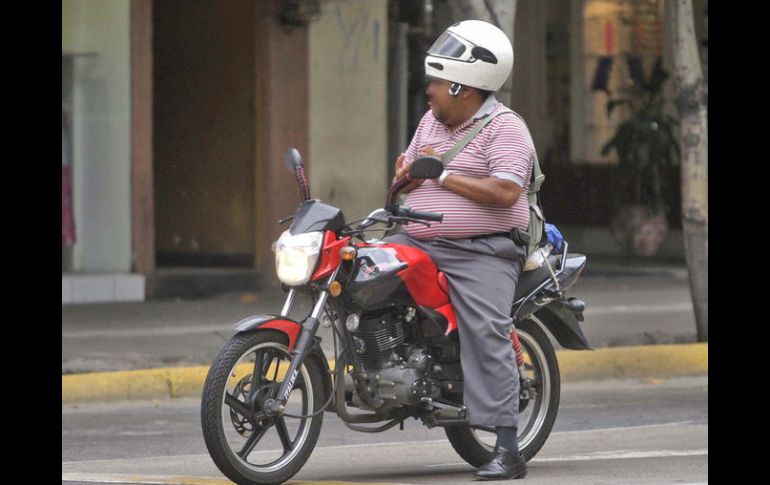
column 503, row 149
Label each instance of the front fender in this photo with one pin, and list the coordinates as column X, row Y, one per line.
column 285, row 325
column 291, row 329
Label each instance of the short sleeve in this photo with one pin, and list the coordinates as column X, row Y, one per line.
column 510, row 150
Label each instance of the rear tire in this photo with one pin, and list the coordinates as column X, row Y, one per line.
column 217, row 423
column 533, row 431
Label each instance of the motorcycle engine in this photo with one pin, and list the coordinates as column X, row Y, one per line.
column 377, row 339
column 400, row 370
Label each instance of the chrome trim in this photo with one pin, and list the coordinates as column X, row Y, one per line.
column 289, row 302
column 323, row 296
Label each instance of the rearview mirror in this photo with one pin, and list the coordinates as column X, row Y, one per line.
column 292, row 159
column 426, row 167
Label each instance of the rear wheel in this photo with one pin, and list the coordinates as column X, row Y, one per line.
column 246, row 446
column 537, row 414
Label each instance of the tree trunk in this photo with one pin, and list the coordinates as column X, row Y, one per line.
column 691, row 101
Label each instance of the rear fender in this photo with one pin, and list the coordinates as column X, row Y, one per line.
column 563, row 324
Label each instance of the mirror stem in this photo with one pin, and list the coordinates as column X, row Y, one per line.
column 304, row 187
column 397, row 187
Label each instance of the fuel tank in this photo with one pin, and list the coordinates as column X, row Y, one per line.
column 394, row 274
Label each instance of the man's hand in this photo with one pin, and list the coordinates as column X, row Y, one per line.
column 489, row 190
column 401, row 171
column 428, row 151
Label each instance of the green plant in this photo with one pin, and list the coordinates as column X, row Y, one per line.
column 645, row 143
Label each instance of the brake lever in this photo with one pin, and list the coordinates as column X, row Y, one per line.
column 361, row 227
column 372, row 220
column 360, row 230
column 411, row 219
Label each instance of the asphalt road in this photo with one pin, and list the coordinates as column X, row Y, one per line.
column 607, row 432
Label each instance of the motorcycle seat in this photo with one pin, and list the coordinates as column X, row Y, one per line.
column 529, row 280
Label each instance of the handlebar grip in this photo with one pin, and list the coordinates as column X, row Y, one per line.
column 428, row 216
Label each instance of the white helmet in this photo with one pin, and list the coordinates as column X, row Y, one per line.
column 472, row 53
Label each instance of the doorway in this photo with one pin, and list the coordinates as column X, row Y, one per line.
column 204, row 133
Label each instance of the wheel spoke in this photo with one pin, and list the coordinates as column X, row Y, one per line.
column 283, row 433
column 239, row 407
column 252, row 442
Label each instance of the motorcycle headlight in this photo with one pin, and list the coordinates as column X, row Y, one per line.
column 296, row 256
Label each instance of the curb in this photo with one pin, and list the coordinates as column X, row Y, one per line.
column 644, row 361
column 639, row 361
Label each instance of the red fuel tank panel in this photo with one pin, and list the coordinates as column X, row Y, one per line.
column 421, row 277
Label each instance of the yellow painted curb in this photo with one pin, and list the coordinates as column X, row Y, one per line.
column 637, row 361
column 133, row 384
column 644, row 361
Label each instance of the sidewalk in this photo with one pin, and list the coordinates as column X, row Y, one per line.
column 627, row 305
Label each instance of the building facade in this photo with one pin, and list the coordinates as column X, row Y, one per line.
column 176, row 114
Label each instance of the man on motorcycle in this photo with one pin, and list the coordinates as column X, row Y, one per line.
column 479, row 194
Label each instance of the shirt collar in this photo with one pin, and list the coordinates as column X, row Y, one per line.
column 486, row 107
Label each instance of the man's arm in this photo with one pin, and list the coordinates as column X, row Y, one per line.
column 488, row 190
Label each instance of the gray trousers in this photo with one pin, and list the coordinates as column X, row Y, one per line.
column 482, row 275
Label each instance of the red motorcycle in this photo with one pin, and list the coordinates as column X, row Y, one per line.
column 396, row 345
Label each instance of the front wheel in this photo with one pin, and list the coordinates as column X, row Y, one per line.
column 536, row 414
column 248, row 448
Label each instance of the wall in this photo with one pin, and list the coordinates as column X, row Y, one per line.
column 100, row 132
column 348, row 95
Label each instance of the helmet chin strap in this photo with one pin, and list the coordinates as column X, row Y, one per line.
column 454, row 89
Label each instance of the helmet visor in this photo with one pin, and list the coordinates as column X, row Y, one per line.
column 451, row 46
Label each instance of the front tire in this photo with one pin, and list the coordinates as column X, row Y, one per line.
column 536, row 417
column 230, row 431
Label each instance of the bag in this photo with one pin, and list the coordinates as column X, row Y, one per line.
column 555, row 239
column 554, row 242
column 536, row 229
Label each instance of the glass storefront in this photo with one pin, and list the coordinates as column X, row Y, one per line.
column 96, row 148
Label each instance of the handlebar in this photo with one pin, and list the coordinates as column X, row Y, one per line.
column 403, row 211
column 427, row 216
column 393, row 213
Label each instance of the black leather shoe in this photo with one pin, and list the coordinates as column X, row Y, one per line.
column 504, row 464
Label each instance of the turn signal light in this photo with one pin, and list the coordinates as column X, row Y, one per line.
column 335, row 288
column 348, row 253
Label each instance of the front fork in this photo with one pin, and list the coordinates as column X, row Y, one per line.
column 276, row 406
